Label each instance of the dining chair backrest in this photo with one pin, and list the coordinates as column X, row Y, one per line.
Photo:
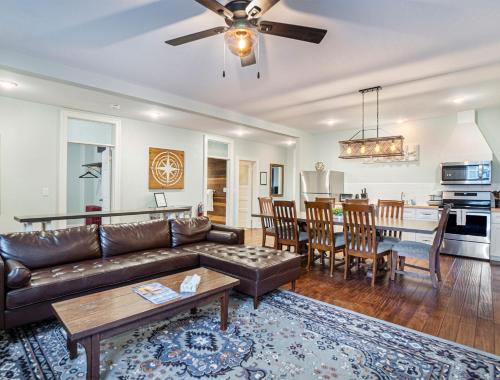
column 328, row 200
column 391, row 209
column 360, row 232
column 285, row 222
column 320, row 228
column 363, row 201
column 439, row 237
column 266, row 211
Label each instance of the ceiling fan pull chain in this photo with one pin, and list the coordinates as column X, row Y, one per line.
column 224, row 64
column 258, row 56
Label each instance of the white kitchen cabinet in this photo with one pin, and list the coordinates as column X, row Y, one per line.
column 420, row 214
column 409, row 213
column 426, row 214
column 495, row 237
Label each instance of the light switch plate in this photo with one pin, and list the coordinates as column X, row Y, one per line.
column 45, row 191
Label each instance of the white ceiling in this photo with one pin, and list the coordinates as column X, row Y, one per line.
column 69, row 96
column 424, row 53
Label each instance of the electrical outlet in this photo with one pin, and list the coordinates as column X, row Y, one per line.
column 45, row 191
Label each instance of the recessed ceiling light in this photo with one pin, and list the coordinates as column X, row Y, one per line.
column 241, row 132
column 330, row 122
column 458, row 100
column 401, row 121
column 8, row 85
column 154, row 115
column 116, row 106
column 290, row 142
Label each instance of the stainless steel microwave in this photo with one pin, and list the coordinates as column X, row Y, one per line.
column 466, row 173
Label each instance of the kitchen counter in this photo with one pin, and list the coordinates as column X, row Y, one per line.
column 495, row 210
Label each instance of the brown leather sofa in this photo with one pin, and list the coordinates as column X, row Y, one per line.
column 40, row 268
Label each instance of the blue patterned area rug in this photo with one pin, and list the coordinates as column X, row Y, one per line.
column 288, row 337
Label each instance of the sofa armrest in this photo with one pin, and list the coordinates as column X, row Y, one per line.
column 240, row 232
column 18, row 275
column 3, row 291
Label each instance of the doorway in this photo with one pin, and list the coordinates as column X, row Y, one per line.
column 88, row 180
column 218, row 174
column 217, row 190
column 89, row 165
column 246, row 194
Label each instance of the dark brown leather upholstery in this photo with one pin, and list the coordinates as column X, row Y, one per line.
column 240, row 232
column 17, row 274
column 259, row 270
column 48, row 248
column 223, row 237
column 117, row 239
column 192, row 230
column 255, row 263
column 51, row 283
column 61, row 268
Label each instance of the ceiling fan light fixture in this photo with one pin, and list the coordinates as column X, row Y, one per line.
column 241, row 41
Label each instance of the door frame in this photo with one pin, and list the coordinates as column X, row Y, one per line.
column 255, row 187
column 230, row 173
column 62, row 195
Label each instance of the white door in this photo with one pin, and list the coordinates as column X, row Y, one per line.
column 245, row 195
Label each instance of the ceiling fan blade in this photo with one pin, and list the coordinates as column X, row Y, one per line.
column 257, row 8
column 197, row 36
column 249, row 60
column 216, row 7
column 297, row 32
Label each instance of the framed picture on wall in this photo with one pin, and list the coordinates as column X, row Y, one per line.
column 160, row 199
column 263, row 178
column 166, row 169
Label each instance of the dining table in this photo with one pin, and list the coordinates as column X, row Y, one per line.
column 382, row 224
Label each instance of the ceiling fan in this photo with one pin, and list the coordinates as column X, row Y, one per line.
column 243, row 25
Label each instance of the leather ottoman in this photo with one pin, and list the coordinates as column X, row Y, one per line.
column 259, row 270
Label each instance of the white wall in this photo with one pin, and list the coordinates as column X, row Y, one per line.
column 415, row 179
column 28, row 150
column 29, row 143
column 488, row 120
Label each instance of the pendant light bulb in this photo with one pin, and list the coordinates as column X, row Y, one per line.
column 393, row 147
column 241, row 41
column 349, row 150
column 363, row 149
column 377, row 148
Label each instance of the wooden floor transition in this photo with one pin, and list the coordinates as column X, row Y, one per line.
column 466, row 308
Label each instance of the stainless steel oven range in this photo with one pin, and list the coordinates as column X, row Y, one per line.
column 468, row 231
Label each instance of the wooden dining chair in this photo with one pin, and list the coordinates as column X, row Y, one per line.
column 321, row 234
column 360, row 236
column 267, row 220
column 287, row 227
column 390, row 209
column 358, row 201
column 421, row 251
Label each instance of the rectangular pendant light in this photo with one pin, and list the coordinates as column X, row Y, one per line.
column 391, row 146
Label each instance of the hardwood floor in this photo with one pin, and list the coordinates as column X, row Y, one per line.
column 465, row 309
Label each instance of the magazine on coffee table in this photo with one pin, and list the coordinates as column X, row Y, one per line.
column 156, row 293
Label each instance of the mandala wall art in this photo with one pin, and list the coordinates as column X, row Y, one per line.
column 166, row 169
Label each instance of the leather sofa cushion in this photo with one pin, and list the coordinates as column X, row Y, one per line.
column 17, row 274
column 254, row 263
column 191, row 230
column 222, row 237
column 117, row 239
column 53, row 283
column 41, row 249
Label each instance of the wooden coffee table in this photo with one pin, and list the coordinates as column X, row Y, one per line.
column 89, row 319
